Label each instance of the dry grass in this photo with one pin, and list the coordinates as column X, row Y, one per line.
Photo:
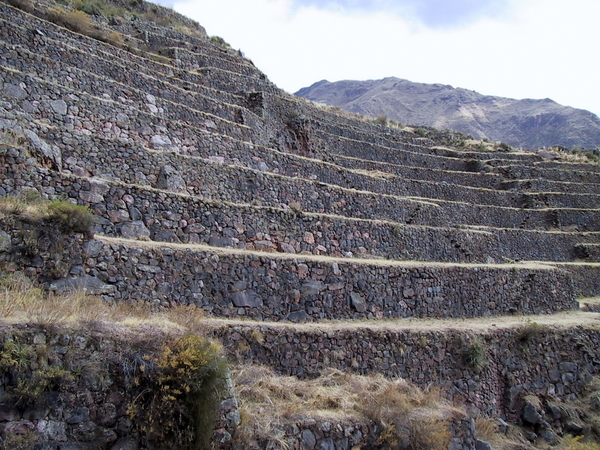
column 527, row 265
column 374, row 174
column 74, row 20
column 269, row 403
column 23, row 302
column 579, row 156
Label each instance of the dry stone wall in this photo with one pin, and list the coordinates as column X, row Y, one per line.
column 250, row 185
column 532, row 359
column 88, row 387
column 93, row 408
column 170, row 217
column 292, row 289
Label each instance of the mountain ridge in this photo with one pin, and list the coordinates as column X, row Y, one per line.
column 529, row 123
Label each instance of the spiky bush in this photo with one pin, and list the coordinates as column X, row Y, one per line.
column 180, row 394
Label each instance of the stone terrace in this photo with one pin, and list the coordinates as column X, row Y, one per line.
column 214, row 188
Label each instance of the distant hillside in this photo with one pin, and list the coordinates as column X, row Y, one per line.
column 522, row 123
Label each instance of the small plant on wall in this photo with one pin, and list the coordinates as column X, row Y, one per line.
column 475, row 354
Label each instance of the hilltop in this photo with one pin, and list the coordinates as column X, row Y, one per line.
column 524, row 123
column 191, row 257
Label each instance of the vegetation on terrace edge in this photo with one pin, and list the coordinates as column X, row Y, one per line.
column 462, row 140
column 177, row 387
column 170, row 408
column 68, row 217
column 79, row 15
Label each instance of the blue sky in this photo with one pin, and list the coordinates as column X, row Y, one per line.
column 508, row 48
column 432, row 13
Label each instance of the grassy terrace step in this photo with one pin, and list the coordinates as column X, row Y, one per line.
column 582, row 174
column 242, row 185
column 80, row 74
column 180, row 217
column 478, row 179
column 277, row 286
column 426, row 352
column 156, row 112
column 238, row 224
column 56, row 39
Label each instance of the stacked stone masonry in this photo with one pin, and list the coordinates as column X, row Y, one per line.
column 172, row 217
column 212, row 187
column 233, row 284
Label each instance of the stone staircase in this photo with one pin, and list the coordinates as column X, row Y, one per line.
column 214, row 188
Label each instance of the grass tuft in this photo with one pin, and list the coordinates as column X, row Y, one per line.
column 475, row 355
column 405, row 412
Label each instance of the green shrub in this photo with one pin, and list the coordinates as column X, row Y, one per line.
column 88, row 7
column 32, row 387
column 30, row 379
column 475, row 355
column 14, row 356
column 422, row 132
column 71, row 218
column 530, row 329
column 180, row 394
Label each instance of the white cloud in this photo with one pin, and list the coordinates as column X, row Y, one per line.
column 536, row 49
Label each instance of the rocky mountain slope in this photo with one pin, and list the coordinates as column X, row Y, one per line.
column 522, row 123
column 319, row 245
